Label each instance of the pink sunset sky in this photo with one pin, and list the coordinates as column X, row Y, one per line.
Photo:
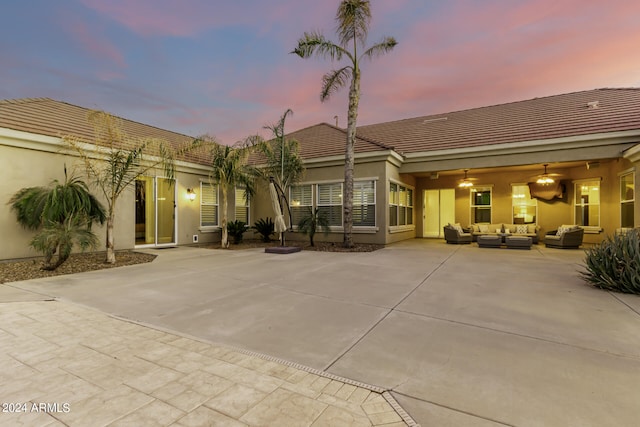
column 223, row 68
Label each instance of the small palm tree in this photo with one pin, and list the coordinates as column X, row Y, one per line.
column 229, row 169
column 60, row 237
column 353, row 19
column 315, row 220
column 63, row 212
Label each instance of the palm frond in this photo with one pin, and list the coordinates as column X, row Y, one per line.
column 334, row 81
column 353, row 17
column 379, row 49
column 316, row 44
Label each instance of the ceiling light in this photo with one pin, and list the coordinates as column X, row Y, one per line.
column 465, row 182
column 545, row 179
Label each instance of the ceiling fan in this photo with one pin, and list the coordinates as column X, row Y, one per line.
column 466, row 181
column 546, row 178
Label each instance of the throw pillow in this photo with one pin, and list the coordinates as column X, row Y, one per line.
column 507, row 230
column 522, row 229
column 484, row 228
column 498, row 230
column 532, row 228
column 562, row 229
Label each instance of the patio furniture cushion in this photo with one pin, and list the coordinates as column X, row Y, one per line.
column 452, row 235
column 569, row 239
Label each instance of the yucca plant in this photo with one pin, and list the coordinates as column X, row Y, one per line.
column 236, row 230
column 615, row 263
column 264, row 227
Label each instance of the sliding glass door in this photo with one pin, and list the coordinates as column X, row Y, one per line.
column 155, row 211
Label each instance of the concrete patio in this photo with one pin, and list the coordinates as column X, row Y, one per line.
column 459, row 335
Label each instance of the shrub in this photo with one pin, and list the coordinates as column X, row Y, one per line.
column 236, row 230
column 615, row 263
column 265, row 228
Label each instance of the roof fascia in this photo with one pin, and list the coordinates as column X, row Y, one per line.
column 374, row 156
column 564, row 143
column 632, row 154
column 52, row 144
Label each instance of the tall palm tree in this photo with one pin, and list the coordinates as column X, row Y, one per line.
column 353, row 18
column 120, row 161
column 229, row 169
column 63, row 213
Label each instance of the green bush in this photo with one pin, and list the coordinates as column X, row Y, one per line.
column 265, row 228
column 236, row 230
column 615, row 263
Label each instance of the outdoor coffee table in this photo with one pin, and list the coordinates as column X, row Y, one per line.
column 489, row 241
column 518, row 242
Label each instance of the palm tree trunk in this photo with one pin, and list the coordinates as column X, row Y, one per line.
column 223, row 225
column 111, row 255
column 349, row 163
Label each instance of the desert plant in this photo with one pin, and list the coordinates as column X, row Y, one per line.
column 236, row 230
column 265, row 228
column 59, row 238
column 63, row 213
column 614, row 264
column 315, row 220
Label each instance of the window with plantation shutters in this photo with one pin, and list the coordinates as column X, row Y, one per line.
column 330, row 203
column 208, row 204
column 300, row 202
column 242, row 205
column 364, row 204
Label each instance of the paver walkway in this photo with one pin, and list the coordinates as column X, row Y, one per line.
column 67, row 365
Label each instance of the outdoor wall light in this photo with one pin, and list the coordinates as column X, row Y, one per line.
column 191, row 195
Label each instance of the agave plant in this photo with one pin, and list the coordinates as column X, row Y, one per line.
column 614, row 264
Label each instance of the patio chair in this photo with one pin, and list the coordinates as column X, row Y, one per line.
column 456, row 236
column 567, row 239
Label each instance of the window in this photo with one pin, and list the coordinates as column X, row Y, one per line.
column 208, row 204
column 364, row 204
column 627, row 200
column 330, row 203
column 587, row 203
column 242, row 205
column 300, row 201
column 400, row 205
column 525, row 209
column 480, row 204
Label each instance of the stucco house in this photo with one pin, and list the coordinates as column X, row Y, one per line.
column 407, row 174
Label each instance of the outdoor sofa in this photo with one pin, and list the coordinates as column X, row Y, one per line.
column 565, row 237
column 454, row 234
column 525, row 230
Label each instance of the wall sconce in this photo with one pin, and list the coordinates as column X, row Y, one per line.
column 191, row 195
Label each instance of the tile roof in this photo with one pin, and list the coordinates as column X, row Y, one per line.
column 328, row 140
column 549, row 117
column 45, row 116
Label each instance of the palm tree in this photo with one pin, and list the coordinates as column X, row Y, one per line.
column 229, row 169
column 315, row 220
column 283, row 162
column 120, row 161
column 353, row 18
column 63, row 212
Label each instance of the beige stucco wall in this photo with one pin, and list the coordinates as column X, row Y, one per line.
column 32, row 160
column 328, row 172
